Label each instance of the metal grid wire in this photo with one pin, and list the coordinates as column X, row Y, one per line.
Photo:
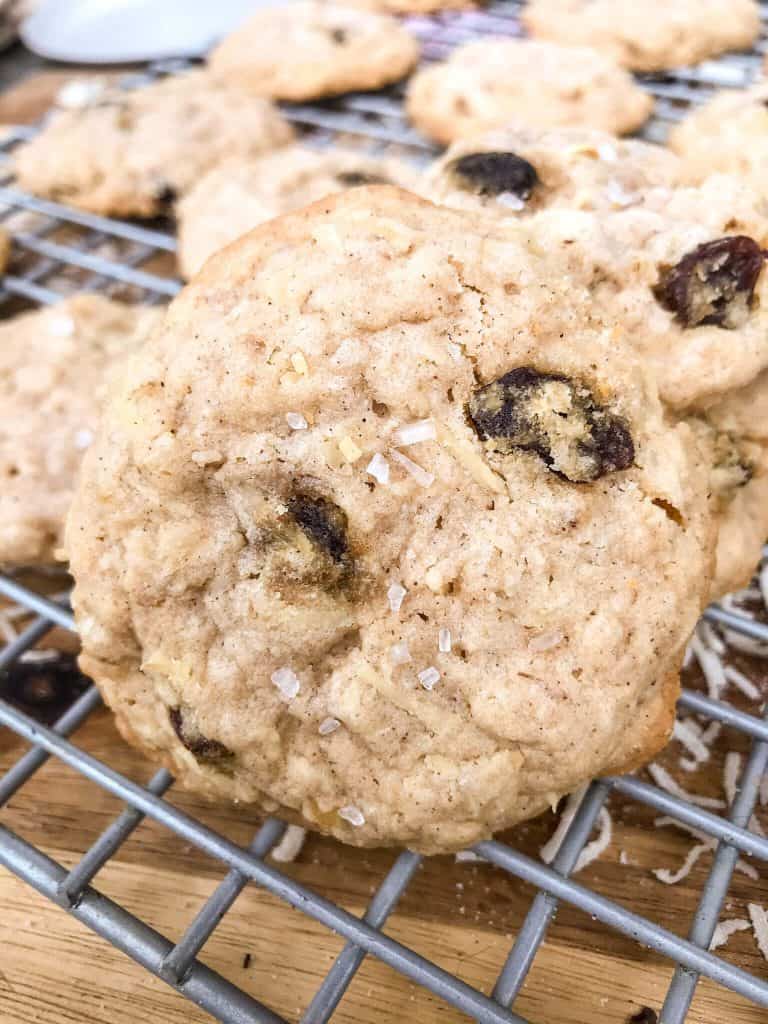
column 58, row 250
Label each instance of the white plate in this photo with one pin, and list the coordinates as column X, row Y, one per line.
column 122, row 31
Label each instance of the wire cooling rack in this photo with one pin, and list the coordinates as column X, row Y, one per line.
column 58, row 250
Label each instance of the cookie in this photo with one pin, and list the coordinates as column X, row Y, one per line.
column 52, row 366
column 683, row 273
column 380, row 535
column 514, row 171
column 240, row 194
column 132, row 152
column 647, row 37
column 411, row 6
column 729, row 133
column 305, row 50
column 492, row 82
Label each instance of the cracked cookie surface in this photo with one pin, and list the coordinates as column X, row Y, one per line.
column 489, row 83
column 399, row 635
column 647, row 37
column 131, row 153
column 53, row 365
column 331, row 49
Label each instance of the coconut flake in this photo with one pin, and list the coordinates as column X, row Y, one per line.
column 399, row 654
column 548, row 851
column 328, row 725
column 296, row 421
column 747, row 869
column 688, row 733
column 352, row 814
column 61, row 326
column 299, row 363
column 510, row 200
column 725, row 929
column 415, row 433
column 428, row 677
column 289, row 847
column 396, row 595
column 79, row 93
column 762, row 582
column 764, row 790
column 378, row 467
column 731, row 768
column 469, row 857
column 664, row 780
column 741, row 682
column 710, row 636
column 545, row 641
column 287, row 682
column 83, row 439
column 711, row 667
column 420, row 475
column 673, row 877
column 7, row 632
column 759, row 919
column 599, row 845
column 444, row 641
column 349, row 449
column 455, row 351
column 745, row 644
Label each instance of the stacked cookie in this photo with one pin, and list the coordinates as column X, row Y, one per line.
column 398, row 521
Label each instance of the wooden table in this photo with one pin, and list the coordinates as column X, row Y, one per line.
column 462, row 916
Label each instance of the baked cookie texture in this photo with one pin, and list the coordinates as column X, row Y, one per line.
column 729, row 133
column 647, row 37
column 307, row 50
column 412, row 6
column 683, row 274
column 740, row 481
column 519, row 171
column 486, row 84
column 53, row 363
column 381, row 534
column 238, row 194
column 132, row 152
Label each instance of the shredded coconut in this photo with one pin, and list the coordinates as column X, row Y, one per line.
column 710, row 636
column 399, row 654
column 762, row 581
column 428, row 677
column 745, row 644
column 299, row 363
column 352, row 814
column 673, row 877
column 287, row 682
column 296, row 421
column 289, row 847
column 598, row 845
column 444, row 641
column 349, row 449
column 510, row 200
column 83, row 439
column 79, row 93
column 747, row 869
column 455, row 350
column 741, row 682
column 378, row 467
column 328, row 725
column 61, row 326
column 7, row 631
column 759, row 919
column 764, row 790
column 548, row 851
column 420, row 475
column 688, row 733
column 725, row 930
column 207, row 457
column 711, row 667
column 414, row 433
column 608, row 152
column 731, row 770
column 545, row 641
column 469, row 857
column 395, row 596
column 664, row 780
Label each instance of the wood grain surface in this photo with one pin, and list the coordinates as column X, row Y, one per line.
column 462, row 916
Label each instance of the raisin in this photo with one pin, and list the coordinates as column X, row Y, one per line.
column 351, row 179
column 554, row 417
column 645, row 1015
column 491, row 174
column 165, row 196
column 44, row 689
column 323, row 522
column 713, row 283
column 210, row 752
